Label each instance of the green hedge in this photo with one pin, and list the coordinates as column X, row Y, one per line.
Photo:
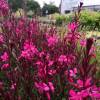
column 90, row 20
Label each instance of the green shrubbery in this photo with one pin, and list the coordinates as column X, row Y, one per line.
column 63, row 19
column 90, row 20
column 60, row 20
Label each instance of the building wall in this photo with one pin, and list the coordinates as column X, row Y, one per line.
column 67, row 5
column 91, row 7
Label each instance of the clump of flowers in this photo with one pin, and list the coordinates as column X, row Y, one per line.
column 4, row 8
column 40, row 65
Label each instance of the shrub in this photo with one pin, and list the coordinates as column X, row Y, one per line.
column 39, row 66
column 90, row 20
column 60, row 20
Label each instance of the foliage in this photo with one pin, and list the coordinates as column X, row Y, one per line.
column 63, row 19
column 90, row 20
column 15, row 4
column 24, row 4
column 37, row 63
column 33, row 6
column 60, row 20
column 50, row 8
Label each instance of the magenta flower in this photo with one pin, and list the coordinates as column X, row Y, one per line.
column 62, row 59
column 45, row 88
column 5, row 57
column 92, row 50
column 73, row 37
column 80, row 83
column 13, row 86
column 76, row 95
column 92, row 92
column 50, row 84
column 50, row 63
column 73, row 72
column 48, row 96
column 83, row 43
column 52, row 40
column 86, row 84
column 42, row 87
column 41, row 54
column 4, row 8
column 66, row 59
column 39, row 63
column 29, row 51
column 5, row 66
column 72, row 26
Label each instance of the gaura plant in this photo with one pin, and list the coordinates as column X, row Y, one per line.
column 40, row 65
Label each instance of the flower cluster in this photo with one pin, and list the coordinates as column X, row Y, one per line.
column 4, row 8
column 37, row 63
column 29, row 50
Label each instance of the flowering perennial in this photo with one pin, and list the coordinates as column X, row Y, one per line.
column 38, row 64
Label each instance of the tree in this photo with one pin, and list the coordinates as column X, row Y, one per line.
column 27, row 5
column 33, row 6
column 15, row 4
column 50, row 8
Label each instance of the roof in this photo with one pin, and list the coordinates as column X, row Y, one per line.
column 89, row 2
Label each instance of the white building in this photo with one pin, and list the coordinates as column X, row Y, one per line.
column 69, row 5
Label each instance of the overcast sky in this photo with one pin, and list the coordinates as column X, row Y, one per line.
column 41, row 2
column 57, row 2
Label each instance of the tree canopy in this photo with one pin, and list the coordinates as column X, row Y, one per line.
column 33, row 6
column 27, row 4
column 49, row 8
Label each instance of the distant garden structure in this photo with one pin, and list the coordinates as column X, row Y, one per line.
column 67, row 6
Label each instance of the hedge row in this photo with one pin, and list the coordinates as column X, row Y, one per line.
column 90, row 20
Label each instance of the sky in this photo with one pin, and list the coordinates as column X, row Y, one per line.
column 57, row 2
column 41, row 2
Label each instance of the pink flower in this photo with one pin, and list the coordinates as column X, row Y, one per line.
column 52, row 40
column 83, row 43
column 51, row 72
column 3, row 7
column 72, row 26
column 5, row 57
column 48, row 95
column 73, row 72
column 39, row 63
column 92, row 50
column 62, row 59
column 5, row 66
column 75, row 96
column 51, row 86
column 66, row 59
column 73, row 37
column 42, row 87
column 13, row 86
column 41, row 54
column 92, row 92
column 86, row 84
column 29, row 51
column 78, row 95
column 80, row 83
column 50, row 63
